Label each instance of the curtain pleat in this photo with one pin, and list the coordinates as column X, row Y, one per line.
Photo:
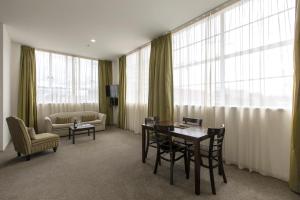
column 105, row 78
column 122, row 92
column 27, row 109
column 137, row 83
column 294, row 180
column 160, row 102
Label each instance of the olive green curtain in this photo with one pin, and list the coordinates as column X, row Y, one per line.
column 294, row 180
column 160, row 102
column 122, row 92
column 27, row 108
column 105, row 78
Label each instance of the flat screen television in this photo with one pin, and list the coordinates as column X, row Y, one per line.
column 112, row 91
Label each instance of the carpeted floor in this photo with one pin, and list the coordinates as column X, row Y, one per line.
column 110, row 168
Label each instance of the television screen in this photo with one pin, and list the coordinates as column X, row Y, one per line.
column 112, row 91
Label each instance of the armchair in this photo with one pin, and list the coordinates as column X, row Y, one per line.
column 24, row 144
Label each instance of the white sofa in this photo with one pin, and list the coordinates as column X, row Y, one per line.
column 63, row 129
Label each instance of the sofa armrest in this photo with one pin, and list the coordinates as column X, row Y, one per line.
column 102, row 117
column 48, row 124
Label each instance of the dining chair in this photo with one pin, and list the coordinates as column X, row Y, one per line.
column 212, row 154
column 167, row 149
column 192, row 121
column 150, row 141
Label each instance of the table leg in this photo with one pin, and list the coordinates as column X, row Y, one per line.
column 88, row 132
column 94, row 133
column 69, row 133
column 147, row 143
column 73, row 133
column 197, row 166
column 143, row 144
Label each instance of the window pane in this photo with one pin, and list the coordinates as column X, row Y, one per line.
column 66, row 79
column 240, row 56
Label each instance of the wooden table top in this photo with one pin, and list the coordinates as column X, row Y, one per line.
column 82, row 126
column 183, row 131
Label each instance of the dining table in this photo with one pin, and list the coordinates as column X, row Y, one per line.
column 194, row 134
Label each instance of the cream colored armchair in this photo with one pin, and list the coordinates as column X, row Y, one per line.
column 23, row 142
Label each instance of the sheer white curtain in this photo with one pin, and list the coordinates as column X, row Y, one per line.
column 235, row 67
column 137, row 77
column 65, row 83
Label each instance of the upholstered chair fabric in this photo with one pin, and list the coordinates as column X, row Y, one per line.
column 24, row 144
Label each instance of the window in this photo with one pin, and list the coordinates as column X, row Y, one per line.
column 66, row 79
column 137, row 83
column 240, row 56
column 137, row 76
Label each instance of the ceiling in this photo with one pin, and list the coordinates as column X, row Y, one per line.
column 118, row 26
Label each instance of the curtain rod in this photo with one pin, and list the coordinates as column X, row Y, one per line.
column 67, row 54
column 194, row 20
column 204, row 15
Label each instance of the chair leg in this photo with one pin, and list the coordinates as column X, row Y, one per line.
column 212, row 179
column 156, row 160
column 223, row 172
column 220, row 160
column 147, row 144
column 172, row 157
column 54, row 149
column 27, row 157
column 159, row 161
column 19, row 154
column 186, row 163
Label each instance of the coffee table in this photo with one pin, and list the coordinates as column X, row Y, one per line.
column 81, row 128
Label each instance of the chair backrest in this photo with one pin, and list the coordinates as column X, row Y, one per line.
column 151, row 120
column 161, row 134
column 19, row 135
column 192, row 121
column 216, row 140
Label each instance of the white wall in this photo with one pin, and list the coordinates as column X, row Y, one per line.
column 1, row 84
column 15, row 55
column 5, row 86
column 9, row 80
column 115, row 72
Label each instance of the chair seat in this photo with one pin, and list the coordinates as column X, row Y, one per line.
column 44, row 137
column 165, row 146
column 44, row 141
column 204, row 151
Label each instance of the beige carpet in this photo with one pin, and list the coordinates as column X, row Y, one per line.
column 110, row 168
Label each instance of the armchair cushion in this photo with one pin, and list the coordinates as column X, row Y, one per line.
column 44, row 141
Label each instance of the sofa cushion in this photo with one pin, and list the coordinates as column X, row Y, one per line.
column 86, row 118
column 63, row 120
column 57, row 126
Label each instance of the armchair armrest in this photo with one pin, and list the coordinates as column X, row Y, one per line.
column 48, row 124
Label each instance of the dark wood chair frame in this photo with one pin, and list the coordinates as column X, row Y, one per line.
column 150, row 141
column 191, row 121
column 165, row 145
column 188, row 120
column 213, row 154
